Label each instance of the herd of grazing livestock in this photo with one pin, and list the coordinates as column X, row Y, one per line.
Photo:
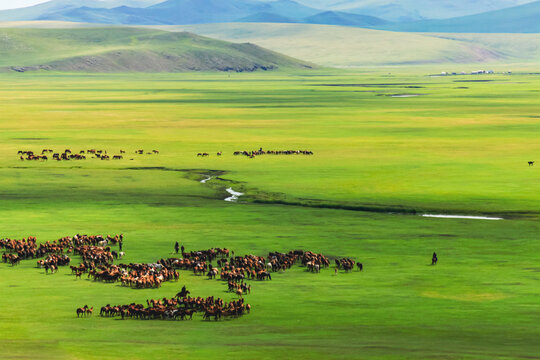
column 97, row 261
column 67, row 154
column 253, row 153
column 178, row 307
column 93, row 249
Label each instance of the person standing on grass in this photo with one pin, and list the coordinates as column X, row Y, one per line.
column 434, row 259
column 176, row 247
column 120, row 241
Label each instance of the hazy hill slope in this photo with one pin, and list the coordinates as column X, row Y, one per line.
column 265, row 17
column 346, row 46
column 519, row 19
column 343, row 19
column 129, row 49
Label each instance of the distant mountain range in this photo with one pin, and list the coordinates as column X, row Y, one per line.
column 359, row 13
column 53, row 6
column 518, row 19
column 410, row 10
column 173, row 12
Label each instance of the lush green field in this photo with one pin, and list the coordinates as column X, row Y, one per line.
column 462, row 147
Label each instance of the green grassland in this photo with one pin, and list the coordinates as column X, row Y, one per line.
column 461, row 147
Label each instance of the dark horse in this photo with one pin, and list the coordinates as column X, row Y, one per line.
column 531, row 163
column 434, row 259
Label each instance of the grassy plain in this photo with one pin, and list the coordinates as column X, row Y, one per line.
column 460, row 147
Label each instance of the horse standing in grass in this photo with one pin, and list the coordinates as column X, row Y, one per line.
column 531, row 163
column 434, row 259
column 85, row 311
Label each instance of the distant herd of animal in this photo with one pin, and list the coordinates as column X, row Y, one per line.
column 67, row 154
column 97, row 263
column 253, row 153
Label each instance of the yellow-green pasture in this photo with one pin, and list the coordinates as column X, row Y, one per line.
column 460, row 147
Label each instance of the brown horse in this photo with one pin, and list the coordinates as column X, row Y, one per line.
column 82, row 311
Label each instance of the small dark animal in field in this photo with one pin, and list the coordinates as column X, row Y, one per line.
column 360, row 266
column 219, row 153
column 531, row 163
column 122, row 152
column 434, row 259
column 155, row 151
column 118, row 157
column 203, row 154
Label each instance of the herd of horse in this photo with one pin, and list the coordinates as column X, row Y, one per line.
column 27, row 248
column 67, row 154
column 259, row 152
column 253, row 153
column 182, row 307
column 98, row 263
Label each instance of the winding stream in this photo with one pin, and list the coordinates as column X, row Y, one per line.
column 234, row 195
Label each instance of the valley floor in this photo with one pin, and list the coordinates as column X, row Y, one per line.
column 460, row 148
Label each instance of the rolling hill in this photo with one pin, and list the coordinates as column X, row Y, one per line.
column 340, row 46
column 343, row 19
column 265, row 17
column 131, row 50
column 518, row 19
